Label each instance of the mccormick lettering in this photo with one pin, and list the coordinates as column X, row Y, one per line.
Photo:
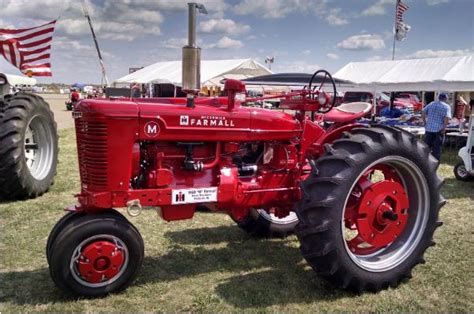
column 211, row 121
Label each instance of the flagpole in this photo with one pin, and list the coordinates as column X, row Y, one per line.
column 395, row 30
column 392, row 96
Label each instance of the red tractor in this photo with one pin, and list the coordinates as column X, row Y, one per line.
column 363, row 201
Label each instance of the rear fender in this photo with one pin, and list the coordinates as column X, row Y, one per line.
column 335, row 134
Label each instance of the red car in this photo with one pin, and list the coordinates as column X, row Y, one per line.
column 411, row 98
column 382, row 100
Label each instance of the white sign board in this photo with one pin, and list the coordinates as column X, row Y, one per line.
column 190, row 196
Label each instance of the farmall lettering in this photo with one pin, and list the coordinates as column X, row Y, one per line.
column 152, row 129
column 207, row 121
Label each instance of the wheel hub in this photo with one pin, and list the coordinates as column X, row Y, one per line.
column 38, row 147
column 382, row 213
column 100, row 261
column 377, row 212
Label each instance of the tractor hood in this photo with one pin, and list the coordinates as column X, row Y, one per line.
column 168, row 119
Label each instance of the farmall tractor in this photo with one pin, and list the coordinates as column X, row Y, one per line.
column 363, row 201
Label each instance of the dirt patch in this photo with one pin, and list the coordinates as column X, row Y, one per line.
column 62, row 117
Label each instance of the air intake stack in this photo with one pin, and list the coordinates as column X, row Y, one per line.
column 192, row 56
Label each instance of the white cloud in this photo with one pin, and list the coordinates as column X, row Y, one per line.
column 335, row 19
column 227, row 43
column 428, row 53
column 76, row 49
column 278, row 8
column 225, row 26
column 275, row 9
column 378, row 8
column 436, row 2
column 332, row 56
column 306, row 52
column 123, row 20
column 6, row 25
column 362, row 42
column 175, row 43
column 375, row 58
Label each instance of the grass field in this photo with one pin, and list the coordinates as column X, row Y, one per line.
column 209, row 264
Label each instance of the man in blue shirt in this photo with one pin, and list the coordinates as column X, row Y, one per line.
column 436, row 117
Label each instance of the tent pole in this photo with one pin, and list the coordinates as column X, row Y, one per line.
column 374, row 105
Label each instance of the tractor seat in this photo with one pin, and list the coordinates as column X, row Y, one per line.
column 347, row 112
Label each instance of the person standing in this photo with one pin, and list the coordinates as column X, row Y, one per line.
column 136, row 90
column 75, row 96
column 436, row 117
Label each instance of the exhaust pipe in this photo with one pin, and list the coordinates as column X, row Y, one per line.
column 191, row 65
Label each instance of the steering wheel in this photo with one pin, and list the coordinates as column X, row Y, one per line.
column 328, row 105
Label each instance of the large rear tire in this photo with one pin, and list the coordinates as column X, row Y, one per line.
column 95, row 255
column 260, row 223
column 369, row 211
column 28, row 147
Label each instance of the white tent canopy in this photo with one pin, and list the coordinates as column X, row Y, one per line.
column 433, row 74
column 16, row 80
column 212, row 72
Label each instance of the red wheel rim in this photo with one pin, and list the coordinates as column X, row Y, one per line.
column 376, row 211
column 99, row 260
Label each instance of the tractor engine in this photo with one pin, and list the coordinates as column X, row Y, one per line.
column 162, row 153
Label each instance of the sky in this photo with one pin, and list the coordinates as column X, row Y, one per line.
column 301, row 35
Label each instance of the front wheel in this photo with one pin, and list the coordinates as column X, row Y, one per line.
column 369, row 213
column 94, row 255
column 461, row 173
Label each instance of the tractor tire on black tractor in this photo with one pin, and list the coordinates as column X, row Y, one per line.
column 259, row 223
column 94, row 255
column 370, row 208
column 28, row 146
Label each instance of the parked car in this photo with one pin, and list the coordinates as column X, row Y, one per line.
column 382, row 101
column 412, row 98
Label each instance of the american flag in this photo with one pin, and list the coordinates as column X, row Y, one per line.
column 28, row 49
column 401, row 28
column 401, row 8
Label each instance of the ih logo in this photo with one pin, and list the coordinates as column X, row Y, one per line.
column 179, row 197
column 184, row 120
column 152, row 129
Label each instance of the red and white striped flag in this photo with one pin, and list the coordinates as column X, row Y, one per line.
column 28, row 49
column 401, row 8
column 401, row 28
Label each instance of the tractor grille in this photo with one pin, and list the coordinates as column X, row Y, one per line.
column 92, row 152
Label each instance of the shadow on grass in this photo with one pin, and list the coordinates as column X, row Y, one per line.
column 214, row 235
column 265, row 272
column 33, row 287
column 454, row 188
column 262, row 272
